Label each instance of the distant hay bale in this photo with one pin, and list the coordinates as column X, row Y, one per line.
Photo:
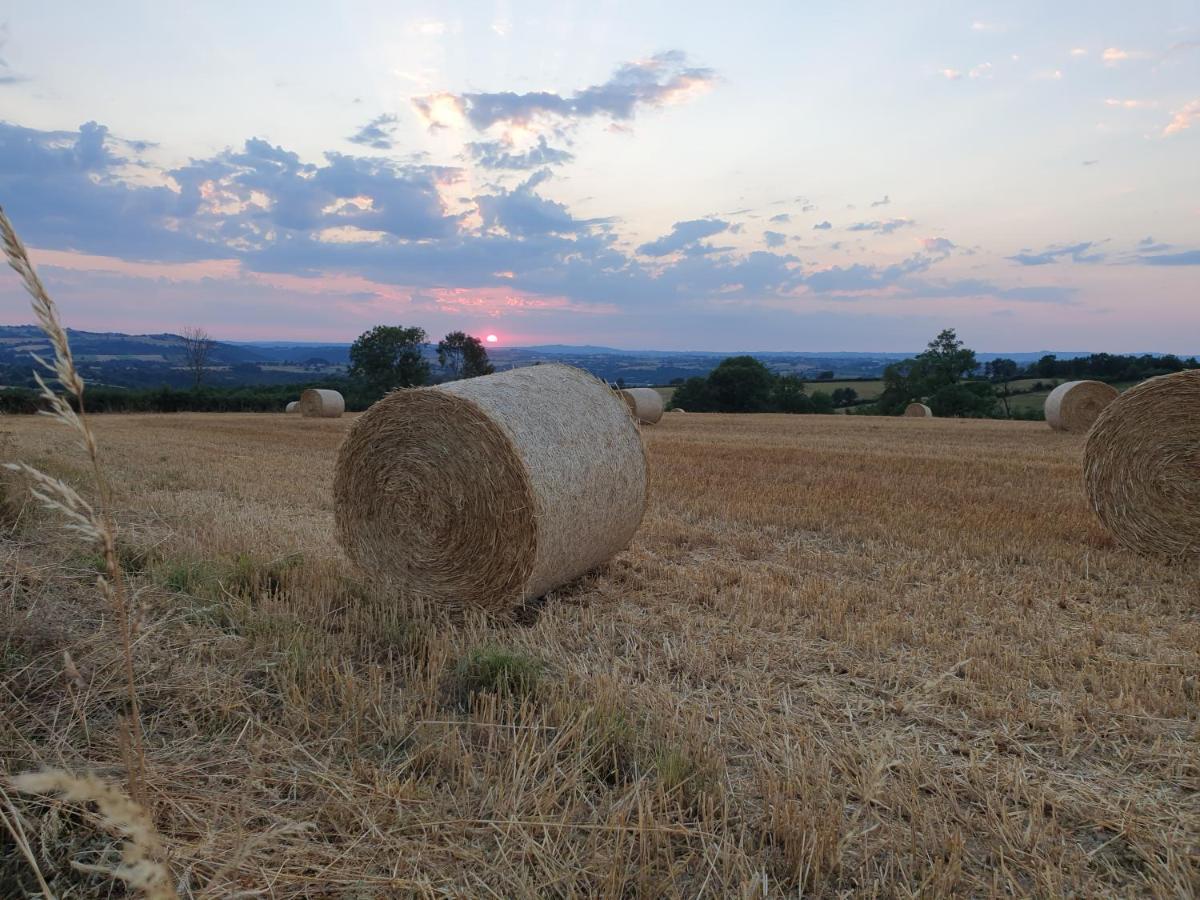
column 918, row 410
column 1075, row 405
column 292, row 407
column 679, row 409
column 1142, row 466
column 491, row 491
column 321, row 403
column 646, row 404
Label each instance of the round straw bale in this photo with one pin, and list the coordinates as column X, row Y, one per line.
column 679, row 409
column 918, row 410
column 1141, row 466
column 292, row 407
column 322, row 403
column 491, row 491
column 646, row 404
column 1074, row 405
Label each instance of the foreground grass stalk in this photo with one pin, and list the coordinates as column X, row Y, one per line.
column 94, row 523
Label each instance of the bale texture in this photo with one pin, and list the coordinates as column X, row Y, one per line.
column 918, row 410
column 646, row 404
column 1142, row 466
column 491, row 491
column 292, row 406
column 1074, row 405
column 322, row 403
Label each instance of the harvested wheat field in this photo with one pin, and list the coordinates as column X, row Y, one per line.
column 843, row 656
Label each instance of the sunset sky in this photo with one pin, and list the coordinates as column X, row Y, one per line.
column 764, row 176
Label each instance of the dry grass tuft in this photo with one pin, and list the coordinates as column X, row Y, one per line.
column 141, row 855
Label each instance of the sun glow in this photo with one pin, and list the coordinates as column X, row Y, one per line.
column 491, row 339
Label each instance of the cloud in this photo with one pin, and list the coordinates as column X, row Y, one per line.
column 884, row 202
column 662, row 79
column 1149, row 245
column 986, row 26
column 938, row 245
column 1090, row 162
column 1185, row 258
column 1130, row 104
column 523, row 212
column 950, row 74
column 499, row 155
column 683, row 235
column 377, row 134
column 774, row 238
column 822, row 226
column 1077, row 52
column 983, row 70
column 1183, row 118
column 858, row 277
column 781, row 219
column 1114, row 55
column 7, row 76
column 887, row 226
column 1056, row 252
column 978, row 287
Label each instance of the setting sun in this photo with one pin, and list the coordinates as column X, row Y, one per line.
column 491, row 339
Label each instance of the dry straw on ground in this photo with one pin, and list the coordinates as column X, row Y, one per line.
column 918, row 410
column 322, row 403
column 1075, row 405
column 646, row 404
column 292, row 407
column 1142, row 466
column 493, row 490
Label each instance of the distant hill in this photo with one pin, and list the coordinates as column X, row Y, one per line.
column 151, row 360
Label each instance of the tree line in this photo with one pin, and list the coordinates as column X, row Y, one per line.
column 744, row 384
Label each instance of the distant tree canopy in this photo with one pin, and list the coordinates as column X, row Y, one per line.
column 463, row 356
column 744, row 384
column 389, row 357
column 1110, row 366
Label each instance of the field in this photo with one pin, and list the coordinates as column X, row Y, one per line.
column 844, row 655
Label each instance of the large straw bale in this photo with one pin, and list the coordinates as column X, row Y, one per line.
column 322, row 403
column 646, row 404
column 292, row 407
column 1142, row 466
column 1074, row 405
column 918, row 410
column 491, row 491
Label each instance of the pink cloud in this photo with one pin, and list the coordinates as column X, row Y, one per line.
column 1183, row 118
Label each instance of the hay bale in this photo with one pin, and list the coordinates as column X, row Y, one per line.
column 646, row 404
column 491, row 491
column 679, row 409
column 293, row 406
column 321, row 403
column 918, row 410
column 1075, row 405
column 1141, row 466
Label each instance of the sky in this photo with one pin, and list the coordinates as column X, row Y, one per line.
column 708, row 176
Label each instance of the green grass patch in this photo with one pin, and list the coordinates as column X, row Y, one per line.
column 495, row 670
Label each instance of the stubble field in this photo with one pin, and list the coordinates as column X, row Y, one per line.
column 843, row 656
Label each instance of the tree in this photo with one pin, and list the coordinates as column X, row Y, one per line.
column 787, row 395
column 946, row 360
column 844, row 396
column 388, row 357
column 945, row 363
column 462, row 356
column 741, row 384
column 692, row 395
column 1001, row 371
column 198, row 346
